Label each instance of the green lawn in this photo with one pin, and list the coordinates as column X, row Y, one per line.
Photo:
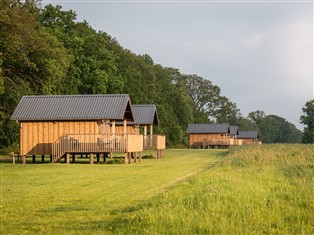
column 266, row 189
column 89, row 199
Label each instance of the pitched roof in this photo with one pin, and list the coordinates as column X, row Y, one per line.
column 204, row 128
column 145, row 114
column 74, row 107
column 248, row 135
column 234, row 130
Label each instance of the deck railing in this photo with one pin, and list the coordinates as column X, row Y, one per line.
column 96, row 143
column 221, row 142
column 157, row 142
column 217, row 142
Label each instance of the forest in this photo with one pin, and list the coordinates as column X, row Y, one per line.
column 46, row 51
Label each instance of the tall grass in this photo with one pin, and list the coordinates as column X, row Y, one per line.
column 257, row 190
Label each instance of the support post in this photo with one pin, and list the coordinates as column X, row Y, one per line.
column 145, row 137
column 129, row 158
column 151, row 135
column 140, row 156
column 111, row 155
column 91, row 158
column 97, row 156
column 67, row 158
column 42, row 158
column 34, row 158
column 23, row 159
column 13, row 157
column 73, row 158
column 50, row 158
column 125, row 158
column 134, row 156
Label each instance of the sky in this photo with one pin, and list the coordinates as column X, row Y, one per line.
column 259, row 52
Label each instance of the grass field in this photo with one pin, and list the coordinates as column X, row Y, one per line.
column 89, row 199
column 265, row 189
column 257, row 190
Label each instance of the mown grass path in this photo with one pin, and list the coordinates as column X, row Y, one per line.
column 88, row 199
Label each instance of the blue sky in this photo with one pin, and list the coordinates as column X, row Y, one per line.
column 260, row 53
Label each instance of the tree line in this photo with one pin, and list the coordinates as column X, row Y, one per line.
column 45, row 51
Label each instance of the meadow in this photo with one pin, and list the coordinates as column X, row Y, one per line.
column 265, row 189
column 89, row 199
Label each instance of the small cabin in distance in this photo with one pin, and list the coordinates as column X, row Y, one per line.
column 203, row 135
column 60, row 125
column 249, row 137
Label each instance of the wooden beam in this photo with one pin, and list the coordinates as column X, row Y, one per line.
column 42, row 158
column 91, row 158
column 140, row 156
column 23, row 159
column 151, row 130
column 67, row 158
column 34, row 158
column 134, row 156
column 124, row 127
column 13, row 157
column 125, row 158
column 129, row 158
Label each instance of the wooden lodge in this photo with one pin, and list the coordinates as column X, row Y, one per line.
column 203, row 135
column 249, row 137
column 145, row 118
column 219, row 135
column 77, row 124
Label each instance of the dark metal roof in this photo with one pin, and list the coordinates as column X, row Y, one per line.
column 248, row 135
column 204, row 128
column 145, row 114
column 73, row 107
column 234, row 130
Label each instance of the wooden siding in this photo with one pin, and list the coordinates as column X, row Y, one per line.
column 196, row 140
column 129, row 130
column 36, row 138
column 250, row 141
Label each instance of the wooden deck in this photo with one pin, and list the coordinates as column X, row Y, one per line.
column 107, row 143
column 96, row 143
column 221, row 142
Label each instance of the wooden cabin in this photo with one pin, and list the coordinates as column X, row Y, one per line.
column 209, row 135
column 146, row 116
column 249, row 137
column 234, row 132
column 60, row 125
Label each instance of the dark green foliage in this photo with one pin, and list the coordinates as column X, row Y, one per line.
column 275, row 129
column 46, row 51
column 307, row 119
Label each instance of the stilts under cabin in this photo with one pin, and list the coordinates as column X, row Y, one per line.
column 65, row 125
